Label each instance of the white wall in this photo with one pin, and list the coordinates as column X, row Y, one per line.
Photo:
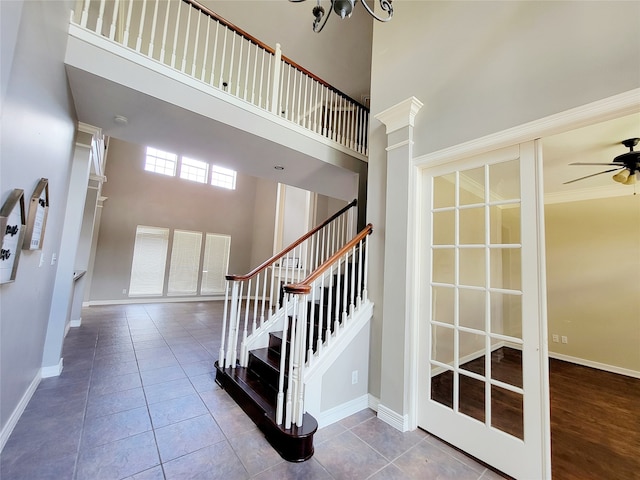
column 37, row 141
column 479, row 68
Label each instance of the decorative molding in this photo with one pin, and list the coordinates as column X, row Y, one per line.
column 19, row 410
column 599, row 366
column 52, row 370
column 614, row 190
column 400, row 115
column 397, row 421
column 344, row 410
column 599, row 111
column 399, row 145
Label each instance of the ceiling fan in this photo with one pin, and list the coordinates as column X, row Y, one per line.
column 627, row 165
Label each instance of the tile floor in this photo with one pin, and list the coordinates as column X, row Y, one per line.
column 137, row 400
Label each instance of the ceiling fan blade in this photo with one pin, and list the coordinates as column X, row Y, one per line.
column 593, row 175
column 582, row 163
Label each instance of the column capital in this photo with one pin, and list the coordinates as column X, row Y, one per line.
column 400, row 115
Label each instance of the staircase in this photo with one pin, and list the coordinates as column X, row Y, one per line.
column 308, row 325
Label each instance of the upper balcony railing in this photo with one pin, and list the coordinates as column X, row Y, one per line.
column 192, row 39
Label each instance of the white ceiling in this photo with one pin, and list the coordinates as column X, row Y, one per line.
column 598, row 143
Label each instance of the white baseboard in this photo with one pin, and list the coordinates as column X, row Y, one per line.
column 51, row 370
column 19, row 410
column 75, row 323
column 339, row 412
column 397, row 421
column 130, row 301
column 599, row 366
column 374, row 402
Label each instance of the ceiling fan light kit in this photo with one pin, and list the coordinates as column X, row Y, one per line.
column 627, row 165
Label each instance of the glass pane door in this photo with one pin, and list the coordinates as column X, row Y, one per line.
column 473, row 276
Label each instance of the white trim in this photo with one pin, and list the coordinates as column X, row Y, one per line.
column 597, row 365
column 51, row 370
column 400, row 115
column 397, row 421
column 344, row 410
column 609, row 108
column 67, row 327
column 404, row 143
column 75, row 323
column 374, row 403
column 606, row 191
column 129, row 301
column 19, row 410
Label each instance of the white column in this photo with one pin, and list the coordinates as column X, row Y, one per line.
column 398, row 264
column 59, row 314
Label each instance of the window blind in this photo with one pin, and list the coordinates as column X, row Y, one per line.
column 149, row 261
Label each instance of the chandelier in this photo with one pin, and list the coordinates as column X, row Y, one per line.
column 344, row 8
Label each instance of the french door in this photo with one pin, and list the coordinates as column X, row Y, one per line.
column 483, row 379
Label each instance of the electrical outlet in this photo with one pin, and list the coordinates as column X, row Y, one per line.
column 565, row 339
column 555, row 338
column 41, row 259
column 124, row 291
column 354, row 377
column 54, row 259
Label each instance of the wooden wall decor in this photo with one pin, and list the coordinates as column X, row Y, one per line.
column 37, row 219
column 12, row 228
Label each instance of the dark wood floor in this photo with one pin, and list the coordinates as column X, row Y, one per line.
column 595, row 415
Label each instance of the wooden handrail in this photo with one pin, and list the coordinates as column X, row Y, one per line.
column 304, row 287
column 268, row 263
column 269, row 49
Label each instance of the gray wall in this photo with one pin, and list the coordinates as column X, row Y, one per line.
column 37, row 141
column 136, row 197
column 480, row 68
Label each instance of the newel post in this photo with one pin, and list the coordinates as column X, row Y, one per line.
column 395, row 397
column 275, row 85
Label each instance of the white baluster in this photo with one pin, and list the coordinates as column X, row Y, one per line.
column 231, row 57
column 246, row 72
column 283, row 354
column 255, row 72
column 264, row 297
column 319, row 343
column 185, row 49
column 352, row 304
column 338, row 300
column 141, row 26
column 153, row 28
column 244, row 354
column 165, row 29
column 195, row 47
column 236, row 330
column 213, row 56
column 114, row 18
column 225, row 320
column 100, row 18
column 288, row 91
column 365, row 294
column 239, row 67
column 312, row 319
column 205, row 55
column 264, row 52
column 127, row 26
column 290, row 369
column 299, row 402
column 85, row 14
column 233, row 318
column 224, row 52
column 175, row 37
column 254, row 326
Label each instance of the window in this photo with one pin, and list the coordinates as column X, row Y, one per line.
column 185, row 262
column 223, row 177
column 149, row 261
column 161, row 162
column 215, row 263
column 194, row 170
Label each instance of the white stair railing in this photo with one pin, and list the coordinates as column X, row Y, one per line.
column 323, row 304
column 188, row 37
column 252, row 300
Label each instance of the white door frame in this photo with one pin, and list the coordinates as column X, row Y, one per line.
column 609, row 108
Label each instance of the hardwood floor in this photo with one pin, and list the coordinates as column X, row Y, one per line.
column 595, row 415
